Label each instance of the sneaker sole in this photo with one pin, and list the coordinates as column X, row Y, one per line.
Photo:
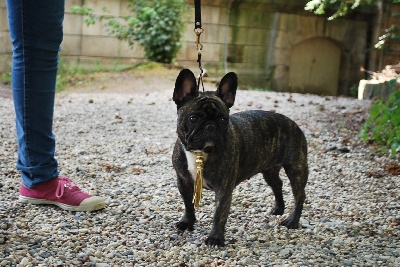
column 38, row 201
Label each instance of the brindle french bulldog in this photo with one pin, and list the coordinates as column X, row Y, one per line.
column 236, row 147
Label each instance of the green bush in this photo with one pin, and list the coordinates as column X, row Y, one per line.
column 157, row 25
column 383, row 125
column 5, row 77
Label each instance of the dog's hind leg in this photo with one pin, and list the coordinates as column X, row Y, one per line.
column 272, row 178
column 298, row 175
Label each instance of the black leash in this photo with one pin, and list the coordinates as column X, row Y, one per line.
column 198, row 30
column 197, row 14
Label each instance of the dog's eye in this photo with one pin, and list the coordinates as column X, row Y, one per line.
column 223, row 120
column 193, row 119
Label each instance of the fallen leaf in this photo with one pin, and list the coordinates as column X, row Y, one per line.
column 393, row 169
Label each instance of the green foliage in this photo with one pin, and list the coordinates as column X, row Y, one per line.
column 64, row 75
column 5, row 78
column 148, row 66
column 383, row 125
column 157, row 25
column 69, row 76
column 343, row 7
column 354, row 90
column 391, row 33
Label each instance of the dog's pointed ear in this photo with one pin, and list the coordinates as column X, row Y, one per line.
column 185, row 88
column 227, row 89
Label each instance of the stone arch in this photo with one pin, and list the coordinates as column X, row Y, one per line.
column 315, row 66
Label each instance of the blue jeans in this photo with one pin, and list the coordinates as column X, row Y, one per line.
column 36, row 33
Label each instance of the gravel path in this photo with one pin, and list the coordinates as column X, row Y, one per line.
column 120, row 146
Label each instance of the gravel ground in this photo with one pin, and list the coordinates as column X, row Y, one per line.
column 120, row 146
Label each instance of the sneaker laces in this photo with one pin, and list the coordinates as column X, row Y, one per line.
column 63, row 182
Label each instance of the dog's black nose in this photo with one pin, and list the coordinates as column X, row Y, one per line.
column 210, row 128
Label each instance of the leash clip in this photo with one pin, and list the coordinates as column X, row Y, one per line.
column 201, row 72
column 198, row 32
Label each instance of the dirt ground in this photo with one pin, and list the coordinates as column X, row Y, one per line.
column 130, row 81
column 5, row 90
column 151, row 80
column 115, row 137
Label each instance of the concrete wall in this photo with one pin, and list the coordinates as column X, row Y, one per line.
column 91, row 46
column 5, row 45
column 349, row 36
column 254, row 38
column 247, row 26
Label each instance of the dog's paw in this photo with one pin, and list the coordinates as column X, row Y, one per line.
column 277, row 210
column 183, row 225
column 215, row 241
column 290, row 223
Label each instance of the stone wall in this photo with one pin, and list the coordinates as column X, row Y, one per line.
column 91, row 46
column 257, row 39
column 336, row 52
column 5, row 45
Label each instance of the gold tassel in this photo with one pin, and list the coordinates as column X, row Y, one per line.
column 198, row 184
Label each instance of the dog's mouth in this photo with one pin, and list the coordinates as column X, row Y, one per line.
column 209, row 147
column 206, row 140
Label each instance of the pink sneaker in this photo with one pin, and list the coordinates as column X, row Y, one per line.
column 62, row 192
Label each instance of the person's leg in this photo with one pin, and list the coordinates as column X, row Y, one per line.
column 36, row 33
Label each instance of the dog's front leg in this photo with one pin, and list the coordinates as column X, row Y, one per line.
column 223, row 200
column 185, row 187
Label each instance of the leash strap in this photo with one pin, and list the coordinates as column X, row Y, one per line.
column 198, row 185
column 197, row 24
column 198, row 30
column 197, row 14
